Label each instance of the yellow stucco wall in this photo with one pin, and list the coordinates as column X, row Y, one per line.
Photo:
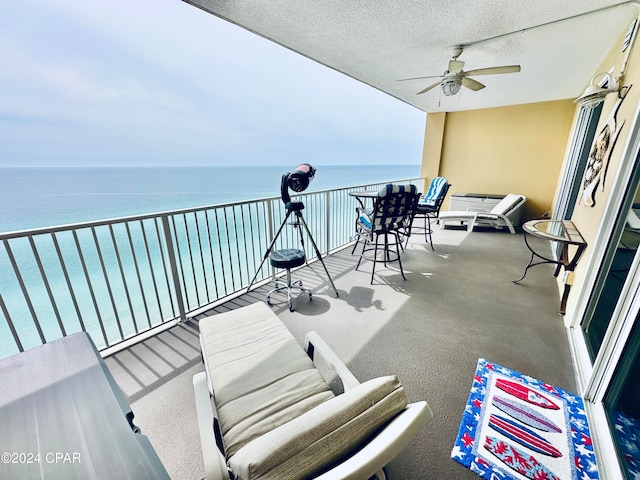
column 517, row 149
column 432, row 150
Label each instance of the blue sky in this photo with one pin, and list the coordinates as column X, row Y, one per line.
column 159, row 82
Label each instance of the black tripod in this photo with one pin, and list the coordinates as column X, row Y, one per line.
column 295, row 208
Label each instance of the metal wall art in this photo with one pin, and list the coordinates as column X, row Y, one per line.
column 598, row 163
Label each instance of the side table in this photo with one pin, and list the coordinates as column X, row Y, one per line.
column 564, row 232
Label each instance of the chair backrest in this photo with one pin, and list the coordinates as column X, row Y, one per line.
column 436, row 192
column 394, row 205
column 509, row 203
column 437, row 203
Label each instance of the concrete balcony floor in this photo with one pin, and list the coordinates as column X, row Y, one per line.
column 458, row 304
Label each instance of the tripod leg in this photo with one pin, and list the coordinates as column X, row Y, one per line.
column 268, row 252
column 318, row 255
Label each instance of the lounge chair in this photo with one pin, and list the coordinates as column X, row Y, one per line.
column 265, row 411
column 506, row 213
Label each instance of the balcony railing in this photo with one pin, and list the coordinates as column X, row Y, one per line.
column 120, row 278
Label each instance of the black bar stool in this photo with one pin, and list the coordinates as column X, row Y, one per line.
column 287, row 258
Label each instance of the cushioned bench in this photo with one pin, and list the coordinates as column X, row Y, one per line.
column 264, row 410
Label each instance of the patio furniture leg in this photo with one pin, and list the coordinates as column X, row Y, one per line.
column 428, row 231
column 399, row 260
column 375, row 257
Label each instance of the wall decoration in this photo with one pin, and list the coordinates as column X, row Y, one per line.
column 598, row 162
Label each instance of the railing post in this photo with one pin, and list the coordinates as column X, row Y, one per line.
column 173, row 266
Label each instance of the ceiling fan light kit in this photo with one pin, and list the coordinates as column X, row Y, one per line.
column 451, row 85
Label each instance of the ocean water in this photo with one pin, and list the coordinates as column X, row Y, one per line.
column 129, row 289
column 41, row 197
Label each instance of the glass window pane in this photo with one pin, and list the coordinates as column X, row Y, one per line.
column 596, row 327
column 622, row 404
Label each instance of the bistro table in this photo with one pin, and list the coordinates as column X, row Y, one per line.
column 565, row 233
column 64, row 416
column 362, row 195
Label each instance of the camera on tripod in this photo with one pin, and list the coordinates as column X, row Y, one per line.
column 298, row 181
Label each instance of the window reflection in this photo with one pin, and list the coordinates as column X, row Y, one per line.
column 622, row 403
column 596, row 327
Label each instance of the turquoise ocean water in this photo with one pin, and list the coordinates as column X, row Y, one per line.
column 40, row 197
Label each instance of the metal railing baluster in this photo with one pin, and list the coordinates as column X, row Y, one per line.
column 211, row 256
column 190, row 251
column 270, row 231
column 107, row 282
column 201, row 250
column 136, row 266
column 327, row 226
column 123, row 278
column 151, row 269
column 90, row 287
column 252, row 238
column 47, row 287
column 226, row 233
column 244, row 244
column 237, row 244
column 222, row 263
column 65, row 272
column 12, row 328
column 23, row 288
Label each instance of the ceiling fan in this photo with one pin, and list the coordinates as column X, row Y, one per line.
column 455, row 77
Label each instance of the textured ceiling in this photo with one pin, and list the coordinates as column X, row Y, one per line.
column 558, row 44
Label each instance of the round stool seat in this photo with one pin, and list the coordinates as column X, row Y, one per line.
column 287, row 258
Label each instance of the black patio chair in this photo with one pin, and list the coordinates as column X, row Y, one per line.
column 393, row 209
column 429, row 206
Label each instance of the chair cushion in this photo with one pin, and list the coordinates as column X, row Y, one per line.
column 365, row 220
column 260, row 375
column 426, row 208
column 506, row 204
column 434, row 191
column 423, row 202
column 322, row 437
column 392, row 188
column 287, row 258
column 393, row 207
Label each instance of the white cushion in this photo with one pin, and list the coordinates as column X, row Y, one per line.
column 506, row 204
column 322, row 437
column 260, row 375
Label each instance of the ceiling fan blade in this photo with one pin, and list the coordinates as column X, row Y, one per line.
column 455, row 66
column 494, row 70
column 429, row 88
column 418, row 78
column 472, row 84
